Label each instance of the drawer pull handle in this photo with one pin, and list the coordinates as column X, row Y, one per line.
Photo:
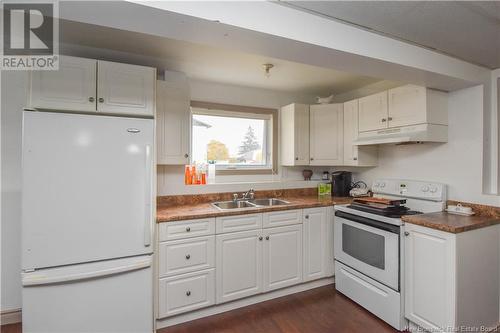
column 188, row 229
column 307, row 216
column 267, row 237
column 260, row 238
column 188, row 256
column 188, row 293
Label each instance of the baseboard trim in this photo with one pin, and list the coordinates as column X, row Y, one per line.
column 216, row 309
column 10, row 317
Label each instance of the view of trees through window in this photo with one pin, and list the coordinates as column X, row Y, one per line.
column 228, row 140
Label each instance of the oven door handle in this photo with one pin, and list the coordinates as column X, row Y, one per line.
column 369, row 222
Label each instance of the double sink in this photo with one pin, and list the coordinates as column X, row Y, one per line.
column 251, row 203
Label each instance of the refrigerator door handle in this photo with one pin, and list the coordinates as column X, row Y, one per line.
column 148, row 196
column 34, row 279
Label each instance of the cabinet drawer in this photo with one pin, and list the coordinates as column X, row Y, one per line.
column 187, row 292
column 185, row 229
column 281, row 218
column 186, row 255
column 238, row 223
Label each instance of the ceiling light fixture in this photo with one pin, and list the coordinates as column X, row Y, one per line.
column 267, row 69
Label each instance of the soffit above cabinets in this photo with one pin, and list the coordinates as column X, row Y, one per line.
column 468, row 30
column 206, row 63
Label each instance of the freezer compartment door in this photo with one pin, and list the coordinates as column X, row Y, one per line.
column 109, row 296
column 87, row 188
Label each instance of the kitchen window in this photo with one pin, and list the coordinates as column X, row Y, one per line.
column 238, row 139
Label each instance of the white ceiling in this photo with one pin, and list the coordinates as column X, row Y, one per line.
column 215, row 64
column 469, row 30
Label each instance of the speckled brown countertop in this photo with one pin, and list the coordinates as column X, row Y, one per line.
column 451, row 222
column 173, row 212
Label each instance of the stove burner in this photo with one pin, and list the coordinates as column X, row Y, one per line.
column 384, row 210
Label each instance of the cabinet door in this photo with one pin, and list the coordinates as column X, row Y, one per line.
column 125, row 89
column 302, row 136
column 315, row 243
column 373, row 112
column 350, row 132
column 238, row 265
column 407, row 106
column 294, row 134
column 429, row 277
column 172, row 122
column 326, row 134
column 282, row 257
column 71, row 88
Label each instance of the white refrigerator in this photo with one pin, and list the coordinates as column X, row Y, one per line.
column 87, row 223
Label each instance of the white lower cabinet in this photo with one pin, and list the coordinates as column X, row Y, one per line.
column 210, row 261
column 451, row 280
column 239, row 265
column 187, row 292
column 282, row 257
column 315, row 241
column 186, row 255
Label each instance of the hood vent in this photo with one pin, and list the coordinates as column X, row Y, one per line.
column 404, row 135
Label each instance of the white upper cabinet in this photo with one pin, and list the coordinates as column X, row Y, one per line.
column 71, row 88
column 172, row 122
column 356, row 155
column 294, row 141
column 411, row 105
column 373, row 112
column 125, row 89
column 88, row 85
column 326, row 134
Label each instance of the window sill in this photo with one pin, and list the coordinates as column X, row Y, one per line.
column 230, row 172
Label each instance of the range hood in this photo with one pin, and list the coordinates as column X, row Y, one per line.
column 405, row 134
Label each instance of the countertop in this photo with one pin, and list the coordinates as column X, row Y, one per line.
column 451, row 222
column 169, row 213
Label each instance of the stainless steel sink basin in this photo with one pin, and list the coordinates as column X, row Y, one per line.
column 269, row 202
column 233, row 204
column 238, row 204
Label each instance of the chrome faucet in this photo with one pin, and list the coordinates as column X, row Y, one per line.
column 250, row 194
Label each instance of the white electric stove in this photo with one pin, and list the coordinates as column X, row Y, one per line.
column 369, row 245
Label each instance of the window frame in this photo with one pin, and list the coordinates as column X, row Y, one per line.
column 245, row 112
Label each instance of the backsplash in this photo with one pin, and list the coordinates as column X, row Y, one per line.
column 173, row 200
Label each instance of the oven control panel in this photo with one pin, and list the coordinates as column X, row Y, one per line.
column 410, row 188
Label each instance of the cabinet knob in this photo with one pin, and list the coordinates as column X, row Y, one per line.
column 260, row 238
column 188, row 293
column 307, row 216
column 354, row 158
column 101, row 100
column 188, row 229
column 390, row 118
column 407, row 233
column 267, row 237
column 188, row 256
column 91, row 99
column 384, row 120
column 186, row 155
column 296, row 158
column 312, row 158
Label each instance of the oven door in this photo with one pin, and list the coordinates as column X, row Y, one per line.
column 370, row 247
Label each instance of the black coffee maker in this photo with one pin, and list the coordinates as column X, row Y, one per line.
column 341, row 183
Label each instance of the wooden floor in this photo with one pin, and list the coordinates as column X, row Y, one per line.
column 314, row 311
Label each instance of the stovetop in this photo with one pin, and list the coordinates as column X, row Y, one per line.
column 383, row 210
